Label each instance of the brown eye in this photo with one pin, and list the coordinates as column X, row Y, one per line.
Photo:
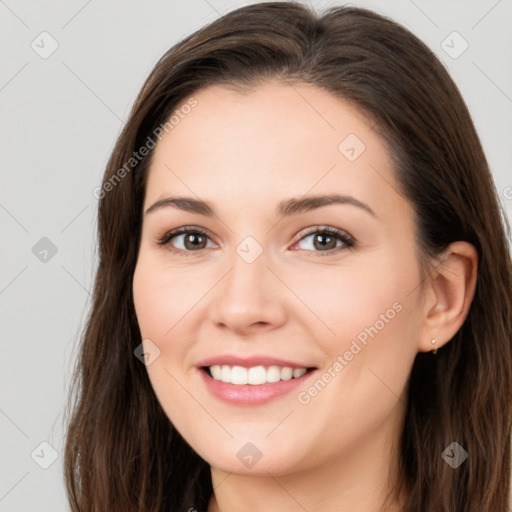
column 190, row 239
column 324, row 241
column 327, row 241
column 193, row 241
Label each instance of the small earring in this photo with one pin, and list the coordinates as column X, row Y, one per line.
column 433, row 343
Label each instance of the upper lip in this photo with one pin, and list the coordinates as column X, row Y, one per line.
column 249, row 362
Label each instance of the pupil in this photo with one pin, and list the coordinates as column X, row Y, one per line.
column 322, row 238
column 191, row 237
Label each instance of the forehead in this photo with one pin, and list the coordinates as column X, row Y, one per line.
column 273, row 141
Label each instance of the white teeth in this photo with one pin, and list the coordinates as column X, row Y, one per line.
column 299, row 372
column 216, row 372
column 273, row 374
column 286, row 373
column 238, row 375
column 225, row 375
column 255, row 375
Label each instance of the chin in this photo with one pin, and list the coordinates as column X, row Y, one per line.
column 254, row 455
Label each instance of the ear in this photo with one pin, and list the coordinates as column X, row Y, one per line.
column 449, row 291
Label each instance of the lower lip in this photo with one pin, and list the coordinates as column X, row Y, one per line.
column 249, row 394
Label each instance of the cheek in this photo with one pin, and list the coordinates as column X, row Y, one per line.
column 367, row 332
column 159, row 306
column 147, row 298
column 368, row 316
column 343, row 303
column 161, row 299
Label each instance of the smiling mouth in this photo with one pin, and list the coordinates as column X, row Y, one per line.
column 255, row 375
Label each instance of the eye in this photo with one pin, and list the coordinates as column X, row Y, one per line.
column 193, row 240
column 324, row 241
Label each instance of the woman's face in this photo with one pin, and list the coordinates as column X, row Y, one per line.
column 261, row 290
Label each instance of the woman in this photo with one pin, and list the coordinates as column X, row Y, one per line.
column 303, row 300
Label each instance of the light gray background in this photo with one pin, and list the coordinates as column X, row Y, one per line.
column 60, row 118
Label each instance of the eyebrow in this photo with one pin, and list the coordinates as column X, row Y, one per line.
column 285, row 208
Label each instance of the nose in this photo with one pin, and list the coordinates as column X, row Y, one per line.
column 249, row 298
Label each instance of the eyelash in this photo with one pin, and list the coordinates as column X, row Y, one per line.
column 347, row 240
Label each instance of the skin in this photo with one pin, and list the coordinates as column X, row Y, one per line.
column 277, row 142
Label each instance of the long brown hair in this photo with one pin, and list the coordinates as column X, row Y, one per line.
column 122, row 453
